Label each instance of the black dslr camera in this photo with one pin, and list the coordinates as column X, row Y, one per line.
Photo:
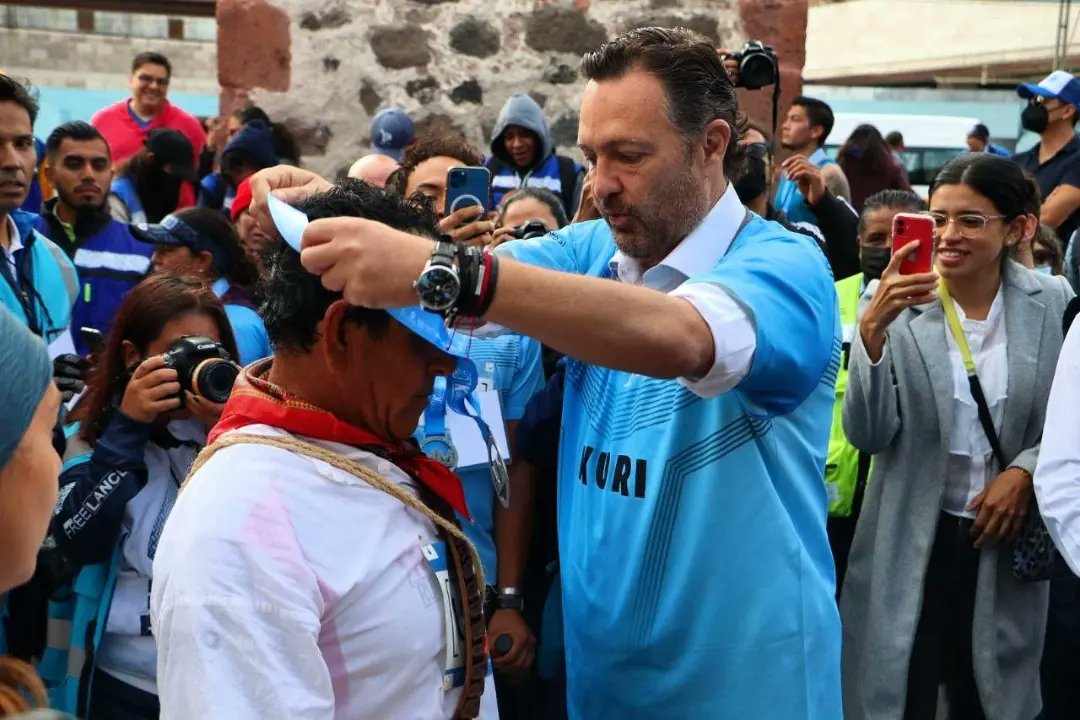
column 529, row 230
column 202, row 367
column 757, row 65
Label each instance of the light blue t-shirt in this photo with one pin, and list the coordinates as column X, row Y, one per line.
column 790, row 199
column 252, row 342
column 510, row 365
column 696, row 572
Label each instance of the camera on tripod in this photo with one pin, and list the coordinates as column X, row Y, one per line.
column 758, row 65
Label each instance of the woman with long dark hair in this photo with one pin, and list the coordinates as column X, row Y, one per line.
column 138, row 432
column 869, row 165
column 949, row 377
column 202, row 243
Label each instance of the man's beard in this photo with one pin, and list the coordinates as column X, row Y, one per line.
column 73, row 201
column 663, row 220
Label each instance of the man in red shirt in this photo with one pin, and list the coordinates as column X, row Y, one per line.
column 125, row 124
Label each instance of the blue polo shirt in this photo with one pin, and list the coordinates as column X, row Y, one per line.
column 696, row 571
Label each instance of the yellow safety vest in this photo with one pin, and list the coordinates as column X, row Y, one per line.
column 842, row 466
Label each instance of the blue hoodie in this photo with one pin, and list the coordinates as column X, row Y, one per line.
column 560, row 175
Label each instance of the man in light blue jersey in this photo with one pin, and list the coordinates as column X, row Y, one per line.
column 696, row 572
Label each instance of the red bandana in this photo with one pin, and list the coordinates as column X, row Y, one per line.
column 254, row 401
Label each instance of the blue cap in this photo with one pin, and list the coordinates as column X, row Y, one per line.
column 257, row 141
column 392, row 131
column 174, row 231
column 290, row 223
column 1058, row 84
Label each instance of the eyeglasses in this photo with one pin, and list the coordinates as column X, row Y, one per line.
column 968, row 224
column 151, row 80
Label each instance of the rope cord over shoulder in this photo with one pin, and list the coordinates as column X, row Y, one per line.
column 469, row 581
column 344, row 464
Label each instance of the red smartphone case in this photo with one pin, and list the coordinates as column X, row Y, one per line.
column 908, row 227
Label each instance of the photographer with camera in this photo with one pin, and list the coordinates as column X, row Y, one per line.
column 526, row 213
column 159, row 384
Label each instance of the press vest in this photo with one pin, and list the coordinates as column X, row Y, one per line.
column 843, row 475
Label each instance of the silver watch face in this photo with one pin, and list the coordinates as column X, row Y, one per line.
column 438, row 288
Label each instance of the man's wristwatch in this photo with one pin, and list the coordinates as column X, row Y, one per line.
column 509, row 598
column 439, row 286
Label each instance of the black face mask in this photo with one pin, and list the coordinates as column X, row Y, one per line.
column 752, row 183
column 1035, row 118
column 874, row 260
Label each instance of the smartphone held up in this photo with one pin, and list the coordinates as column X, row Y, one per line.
column 907, row 228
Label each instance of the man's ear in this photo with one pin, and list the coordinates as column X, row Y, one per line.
column 335, row 333
column 816, row 132
column 717, row 137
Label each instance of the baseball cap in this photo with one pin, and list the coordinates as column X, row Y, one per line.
column 257, row 141
column 1058, row 84
column 392, row 131
column 174, row 231
column 242, row 200
column 172, row 148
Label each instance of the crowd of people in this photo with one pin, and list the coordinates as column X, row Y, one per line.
column 675, row 432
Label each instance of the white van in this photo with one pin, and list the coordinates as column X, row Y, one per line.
column 930, row 141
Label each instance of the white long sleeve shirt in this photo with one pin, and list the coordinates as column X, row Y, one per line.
column 1057, row 476
column 287, row 589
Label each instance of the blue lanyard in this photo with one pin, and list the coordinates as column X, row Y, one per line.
column 459, row 393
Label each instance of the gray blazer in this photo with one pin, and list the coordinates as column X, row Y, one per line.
column 900, row 410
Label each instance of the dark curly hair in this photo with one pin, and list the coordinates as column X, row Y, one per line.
column 296, row 300
column 448, row 145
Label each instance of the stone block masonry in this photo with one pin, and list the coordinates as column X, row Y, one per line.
column 325, row 67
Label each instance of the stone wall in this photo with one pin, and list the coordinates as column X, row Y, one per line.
column 325, row 67
column 102, row 62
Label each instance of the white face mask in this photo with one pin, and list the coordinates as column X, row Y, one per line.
column 1044, row 269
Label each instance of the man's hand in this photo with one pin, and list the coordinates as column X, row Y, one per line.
column 372, row 264
column 69, row 374
column 1002, row 507
column 730, row 64
column 289, row 184
column 520, row 657
column 808, row 176
column 468, row 226
column 206, row 412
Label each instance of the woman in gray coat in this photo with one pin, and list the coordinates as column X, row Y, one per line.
column 930, row 597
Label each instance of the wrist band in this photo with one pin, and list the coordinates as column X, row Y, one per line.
column 492, row 277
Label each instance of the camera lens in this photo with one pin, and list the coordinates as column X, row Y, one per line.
column 455, row 179
column 900, row 227
column 213, row 379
